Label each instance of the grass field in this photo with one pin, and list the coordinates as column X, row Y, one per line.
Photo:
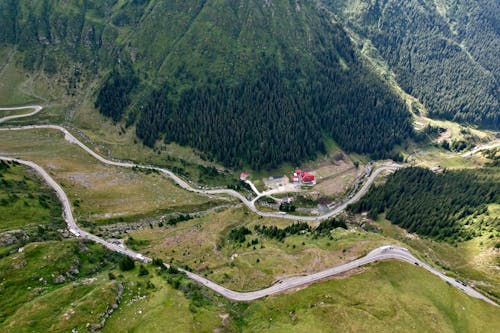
column 25, row 199
column 32, row 302
column 387, row 297
column 32, row 299
column 434, row 157
column 202, row 245
column 475, row 261
column 162, row 309
column 18, row 87
column 100, row 193
column 6, row 113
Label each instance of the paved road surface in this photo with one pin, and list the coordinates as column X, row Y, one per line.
column 250, row 204
column 381, row 253
column 481, row 148
column 37, row 109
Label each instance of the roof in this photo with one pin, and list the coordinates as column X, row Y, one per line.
column 307, row 176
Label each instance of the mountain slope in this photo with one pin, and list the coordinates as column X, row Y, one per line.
column 443, row 52
column 261, row 82
column 252, row 83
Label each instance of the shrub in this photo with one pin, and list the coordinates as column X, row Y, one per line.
column 126, row 264
column 143, row 271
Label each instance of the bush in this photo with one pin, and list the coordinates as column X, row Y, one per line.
column 143, row 271
column 158, row 262
column 126, row 264
column 239, row 234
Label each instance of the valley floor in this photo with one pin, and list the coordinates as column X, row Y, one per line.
column 272, row 313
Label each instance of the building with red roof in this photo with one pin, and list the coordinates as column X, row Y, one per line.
column 308, row 178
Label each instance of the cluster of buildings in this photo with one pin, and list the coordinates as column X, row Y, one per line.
column 303, row 177
column 299, row 177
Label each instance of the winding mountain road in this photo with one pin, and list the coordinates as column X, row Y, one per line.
column 381, row 253
column 183, row 184
column 37, row 109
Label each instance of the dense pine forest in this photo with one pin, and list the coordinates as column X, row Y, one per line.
column 443, row 52
column 280, row 114
column 431, row 204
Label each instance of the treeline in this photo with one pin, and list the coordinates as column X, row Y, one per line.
column 322, row 230
column 239, row 234
column 277, row 116
column 431, row 204
column 274, row 232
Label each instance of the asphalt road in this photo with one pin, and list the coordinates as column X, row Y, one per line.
column 250, row 204
column 381, row 253
column 481, row 148
column 387, row 252
column 37, row 109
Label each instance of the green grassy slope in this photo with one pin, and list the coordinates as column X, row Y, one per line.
column 60, row 285
column 389, row 297
column 43, row 281
column 24, row 199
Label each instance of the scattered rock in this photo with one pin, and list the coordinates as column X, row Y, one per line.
column 109, row 310
column 20, row 264
column 72, row 272
column 12, row 237
column 59, row 279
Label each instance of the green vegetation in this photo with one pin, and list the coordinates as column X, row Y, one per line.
column 387, row 296
column 239, row 234
column 287, row 207
column 220, row 118
column 143, row 271
column 280, row 234
column 41, row 277
column 207, row 67
column 126, row 264
column 165, row 300
column 104, row 194
column 204, row 246
column 26, row 202
column 434, row 205
column 323, row 229
column 442, row 52
column 473, row 261
column 113, row 97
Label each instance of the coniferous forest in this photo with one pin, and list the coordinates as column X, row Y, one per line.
column 259, row 83
column 431, row 204
column 281, row 115
column 443, row 52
